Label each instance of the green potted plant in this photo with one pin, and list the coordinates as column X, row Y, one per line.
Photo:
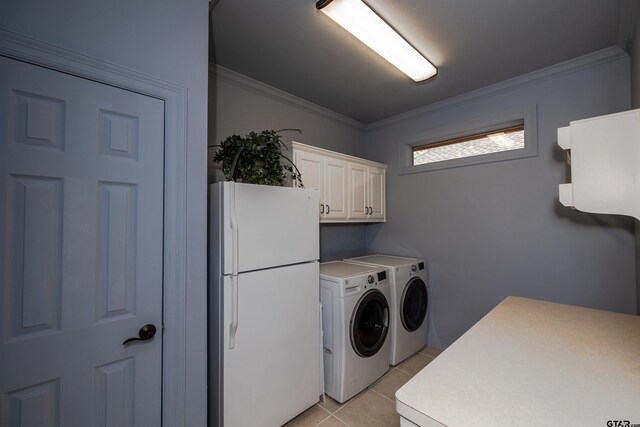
column 256, row 159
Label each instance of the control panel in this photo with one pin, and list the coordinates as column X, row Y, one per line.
column 366, row 281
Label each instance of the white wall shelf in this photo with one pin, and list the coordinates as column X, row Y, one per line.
column 605, row 164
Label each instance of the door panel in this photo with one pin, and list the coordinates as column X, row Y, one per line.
column 117, row 213
column 376, row 178
column 34, row 277
column 358, row 194
column 311, row 167
column 34, row 406
column 81, row 200
column 335, row 190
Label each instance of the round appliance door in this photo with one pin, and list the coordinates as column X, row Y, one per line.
column 369, row 323
column 413, row 306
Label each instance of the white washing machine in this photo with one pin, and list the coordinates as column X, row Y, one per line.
column 355, row 323
column 409, row 302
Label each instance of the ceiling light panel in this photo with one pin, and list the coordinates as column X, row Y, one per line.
column 357, row 18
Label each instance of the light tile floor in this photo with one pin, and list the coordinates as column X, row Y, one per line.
column 373, row 407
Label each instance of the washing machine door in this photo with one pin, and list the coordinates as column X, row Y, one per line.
column 413, row 306
column 369, row 323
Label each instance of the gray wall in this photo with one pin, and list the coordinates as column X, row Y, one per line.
column 635, row 63
column 492, row 230
column 240, row 105
column 635, row 102
column 167, row 40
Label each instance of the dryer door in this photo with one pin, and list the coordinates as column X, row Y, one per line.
column 413, row 306
column 369, row 323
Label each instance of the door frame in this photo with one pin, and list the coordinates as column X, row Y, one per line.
column 175, row 367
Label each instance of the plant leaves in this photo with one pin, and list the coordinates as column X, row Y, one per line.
column 256, row 159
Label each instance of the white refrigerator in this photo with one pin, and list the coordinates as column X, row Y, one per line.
column 264, row 348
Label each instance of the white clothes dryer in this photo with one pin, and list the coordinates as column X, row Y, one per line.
column 409, row 302
column 355, row 323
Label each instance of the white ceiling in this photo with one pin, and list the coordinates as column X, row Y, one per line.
column 290, row 45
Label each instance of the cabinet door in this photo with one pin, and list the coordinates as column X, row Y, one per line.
column 335, row 189
column 357, row 191
column 376, row 193
column 311, row 167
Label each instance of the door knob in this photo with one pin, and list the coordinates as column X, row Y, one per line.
column 145, row 333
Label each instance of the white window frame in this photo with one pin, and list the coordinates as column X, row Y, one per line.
column 503, row 119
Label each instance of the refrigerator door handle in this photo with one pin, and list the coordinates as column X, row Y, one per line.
column 233, row 222
column 233, row 326
column 235, row 253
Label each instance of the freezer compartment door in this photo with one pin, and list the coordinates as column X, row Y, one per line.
column 272, row 370
column 261, row 226
column 275, row 226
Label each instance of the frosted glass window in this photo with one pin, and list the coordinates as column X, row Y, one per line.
column 496, row 141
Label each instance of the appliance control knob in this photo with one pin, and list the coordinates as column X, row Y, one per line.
column 414, row 268
column 370, row 279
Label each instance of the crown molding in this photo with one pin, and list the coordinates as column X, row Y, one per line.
column 38, row 52
column 247, row 83
column 594, row 59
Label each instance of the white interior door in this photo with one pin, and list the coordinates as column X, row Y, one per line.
column 81, row 202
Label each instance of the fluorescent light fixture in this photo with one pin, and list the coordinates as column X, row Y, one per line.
column 357, row 18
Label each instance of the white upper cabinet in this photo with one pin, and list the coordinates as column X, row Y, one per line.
column 311, row 167
column 358, row 207
column 329, row 176
column 335, row 189
column 366, row 192
column 351, row 189
column 376, row 192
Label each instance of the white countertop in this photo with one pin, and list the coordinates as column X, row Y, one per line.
column 532, row 363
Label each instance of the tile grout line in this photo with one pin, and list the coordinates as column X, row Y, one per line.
column 348, row 401
column 383, row 396
column 370, row 387
column 382, row 377
column 342, row 406
column 341, row 420
column 324, row 419
column 412, row 374
column 346, row 404
column 428, row 355
column 408, row 373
